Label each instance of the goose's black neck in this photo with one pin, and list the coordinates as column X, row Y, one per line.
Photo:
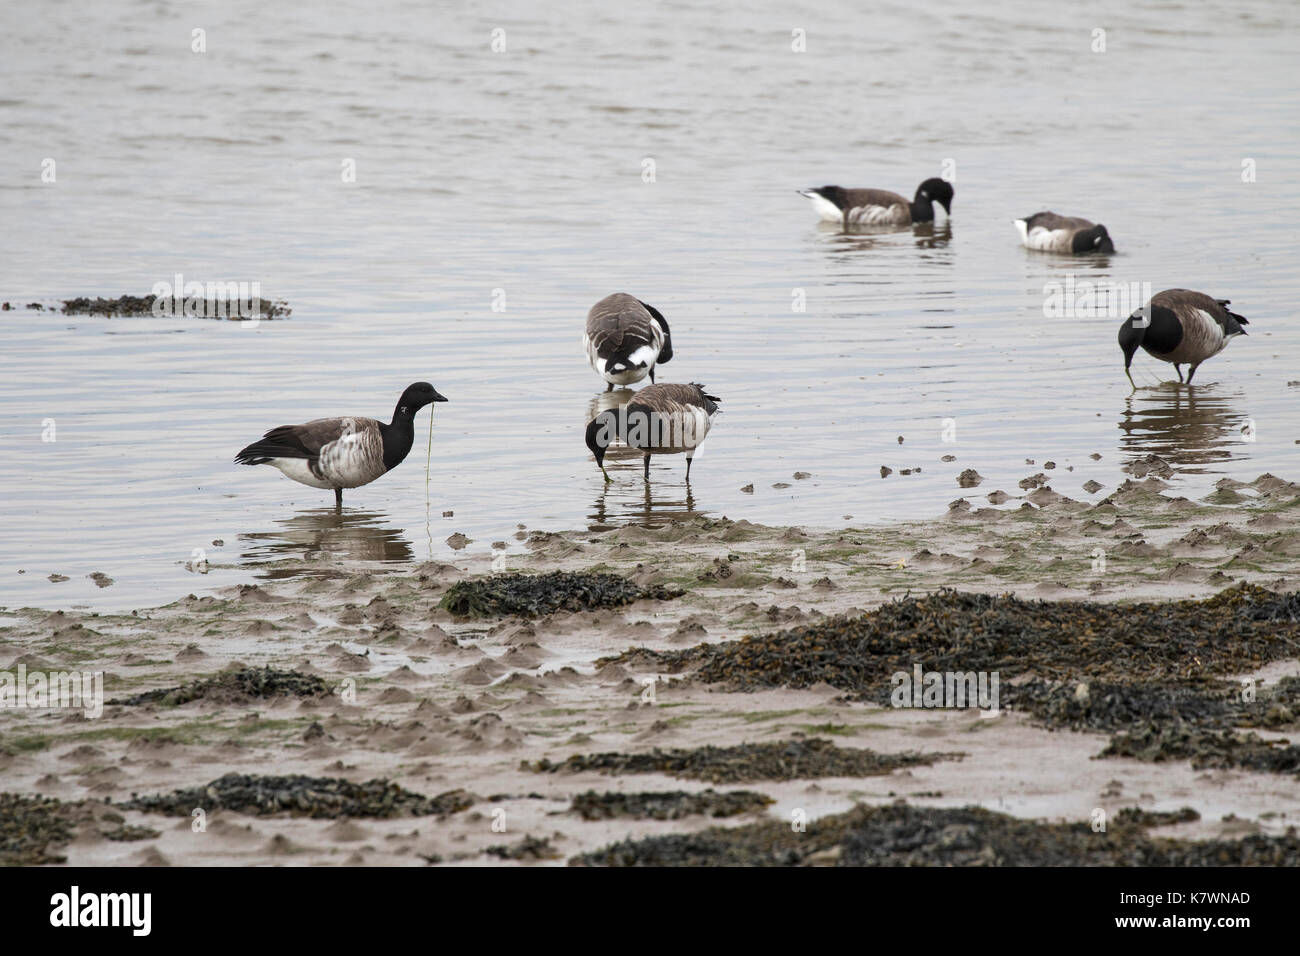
column 922, row 209
column 1165, row 332
column 399, row 436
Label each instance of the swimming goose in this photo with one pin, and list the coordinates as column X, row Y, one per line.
column 668, row 419
column 1182, row 326
column 879, row 207
column 1048, row 232
column 625, row 339
column 342, row 453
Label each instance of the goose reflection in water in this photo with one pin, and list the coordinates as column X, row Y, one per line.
column 648, row 506
column 352, row 535
column 1190, row 427
column 838, row 239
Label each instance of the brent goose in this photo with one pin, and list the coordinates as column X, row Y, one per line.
column 625, row 339
column 1177, row 326
column 668, row 419
column 342, row 453
column 1048, row 232
column 879, row 207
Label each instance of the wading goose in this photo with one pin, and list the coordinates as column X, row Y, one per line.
column 1048, row 232
column 1182, row 327
column 879, row 207
column 342, row 453
column 668, row 419
column 625, row 339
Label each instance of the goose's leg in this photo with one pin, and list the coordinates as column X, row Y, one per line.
column 652, row 374
column 647, row 467
column 1192, row 371
column 688, row 468
column 338, row 497
column 1179, row 369
column 609, row 387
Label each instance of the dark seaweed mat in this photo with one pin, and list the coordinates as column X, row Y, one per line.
column 298, row 795
column 901, row 835
column 529, row 848
column 1236, row 631
column 244, row 684
column 786, row 760
column 1153, row 671
column 138, row 305
column 531, row 595
column 1107, row 706
column 29, row 826
column 668, row 805
column 1205, row 748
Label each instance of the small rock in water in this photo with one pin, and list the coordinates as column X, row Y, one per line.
column 997, row 497
column 900, row 439
column 56, row 578
column 781, row 484
column 948, row 458
column 801, row 475
column 885, row 472
column 1149, row 465
column 1029, row 461
column 969, row 478
column 499, row 545
column 1092, row 486
column 100, row 578
column 218, row 543
column 1095, row 456
column 457, row 541
column 748, row 489
column 1049, row 464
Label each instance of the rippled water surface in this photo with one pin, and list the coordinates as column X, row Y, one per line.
column 518, row 178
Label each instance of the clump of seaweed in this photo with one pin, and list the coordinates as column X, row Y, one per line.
column 529, row 848
column 298, row 795
column 785, row 760
column 532, row 595
column 242, row 684
column 31, row 829
column 1153, row 671
column 141, row 305
column 667, row 805
column 1236, row 631
column 901, row 835
column 1205, row 747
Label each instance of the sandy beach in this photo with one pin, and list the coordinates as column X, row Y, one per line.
column 474, row 717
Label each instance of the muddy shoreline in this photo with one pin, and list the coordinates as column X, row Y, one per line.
column 442, row 714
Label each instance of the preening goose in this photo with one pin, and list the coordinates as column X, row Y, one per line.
column 625, row 339
column 342, row 453
column 1048, row 232
column 879, row 207
column 1180, row 326
column 668, row 419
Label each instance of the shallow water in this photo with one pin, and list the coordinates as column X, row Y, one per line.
column 522, row 171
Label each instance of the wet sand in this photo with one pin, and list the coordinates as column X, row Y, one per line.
column 439, row 704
